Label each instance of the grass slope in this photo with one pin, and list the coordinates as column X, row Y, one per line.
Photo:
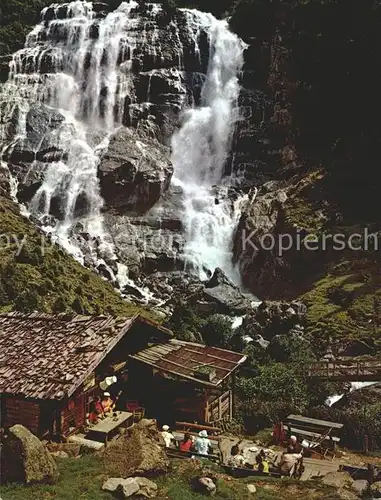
column 45, row 278
column 82, row 479
column 342, row 288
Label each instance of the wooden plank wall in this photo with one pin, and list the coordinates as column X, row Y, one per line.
column 73, row 414
column 21, row 411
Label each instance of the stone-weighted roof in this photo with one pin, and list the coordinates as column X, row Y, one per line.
column 48, row 357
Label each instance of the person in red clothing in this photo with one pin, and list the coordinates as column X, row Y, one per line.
column 98, row 407
column 187, row 443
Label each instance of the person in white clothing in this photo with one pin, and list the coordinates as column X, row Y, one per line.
column 202, row 444
column 167, row 436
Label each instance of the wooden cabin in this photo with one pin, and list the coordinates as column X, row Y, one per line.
column 51, row 368
column 186, row 381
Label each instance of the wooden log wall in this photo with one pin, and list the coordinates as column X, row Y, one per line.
column 73, row 414
column 21, row 411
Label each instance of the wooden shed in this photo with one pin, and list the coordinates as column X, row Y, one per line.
column 187, row 381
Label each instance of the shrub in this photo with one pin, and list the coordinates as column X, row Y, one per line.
column 217, row 331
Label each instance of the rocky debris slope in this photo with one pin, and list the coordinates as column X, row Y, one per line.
column 24, row 459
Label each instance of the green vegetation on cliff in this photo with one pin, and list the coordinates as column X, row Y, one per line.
column 35, row 275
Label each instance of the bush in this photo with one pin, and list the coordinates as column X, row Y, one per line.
column 217, row 331
column 185, row 323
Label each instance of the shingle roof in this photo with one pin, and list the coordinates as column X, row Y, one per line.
column 48, row 357
column 183, row 358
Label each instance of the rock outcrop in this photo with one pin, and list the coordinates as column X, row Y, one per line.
column 134, row 171
column 24, row 459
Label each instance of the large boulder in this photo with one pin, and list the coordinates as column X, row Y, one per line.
column 137, row 454
column 134, row 171
column 25, row 459
column 228, row 297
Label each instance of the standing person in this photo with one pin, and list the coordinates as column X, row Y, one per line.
column 167, row 436
column 202, row 444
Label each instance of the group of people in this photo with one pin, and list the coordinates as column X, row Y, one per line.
column 101, row 408
column 292, row 459
column 288, row 463
column 261, row 462
column 200, row 445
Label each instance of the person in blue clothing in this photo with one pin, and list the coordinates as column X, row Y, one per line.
column 202, row 444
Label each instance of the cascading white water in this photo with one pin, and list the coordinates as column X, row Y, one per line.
column 84, row 84
column 79, row 66
column 201, row 148
column 355, row 386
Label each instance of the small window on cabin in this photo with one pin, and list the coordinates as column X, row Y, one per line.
column 71, row 404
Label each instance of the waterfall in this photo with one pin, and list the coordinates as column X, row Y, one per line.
column 76, row 79
column 201, row 148
column 70, row 63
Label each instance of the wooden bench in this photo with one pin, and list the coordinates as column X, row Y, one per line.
column 176, row 453
column 319, row 432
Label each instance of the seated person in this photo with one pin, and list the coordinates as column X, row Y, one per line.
column 203, row 444
column 93, row 415
column 107, row 403
column 290, row 462
column 294, row 444
column 167, row 436
column 236, row 459
column 262, row 464
column 187, row 443
column 98, row 407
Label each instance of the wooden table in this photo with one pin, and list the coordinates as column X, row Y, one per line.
column 104, row 427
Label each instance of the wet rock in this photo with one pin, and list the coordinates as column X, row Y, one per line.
column 134, row 172
column 271, row 319
column 227, row 296
column 24, row 459
column 256, row 246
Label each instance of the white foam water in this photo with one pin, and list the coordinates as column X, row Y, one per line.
column 82, row 83
column 201, row 148
column 355, row 386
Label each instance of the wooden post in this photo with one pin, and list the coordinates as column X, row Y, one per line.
column 370, row 473
column 230, row 406
column 219, row 408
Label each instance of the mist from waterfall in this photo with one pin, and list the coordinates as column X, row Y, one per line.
column 200, row 151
